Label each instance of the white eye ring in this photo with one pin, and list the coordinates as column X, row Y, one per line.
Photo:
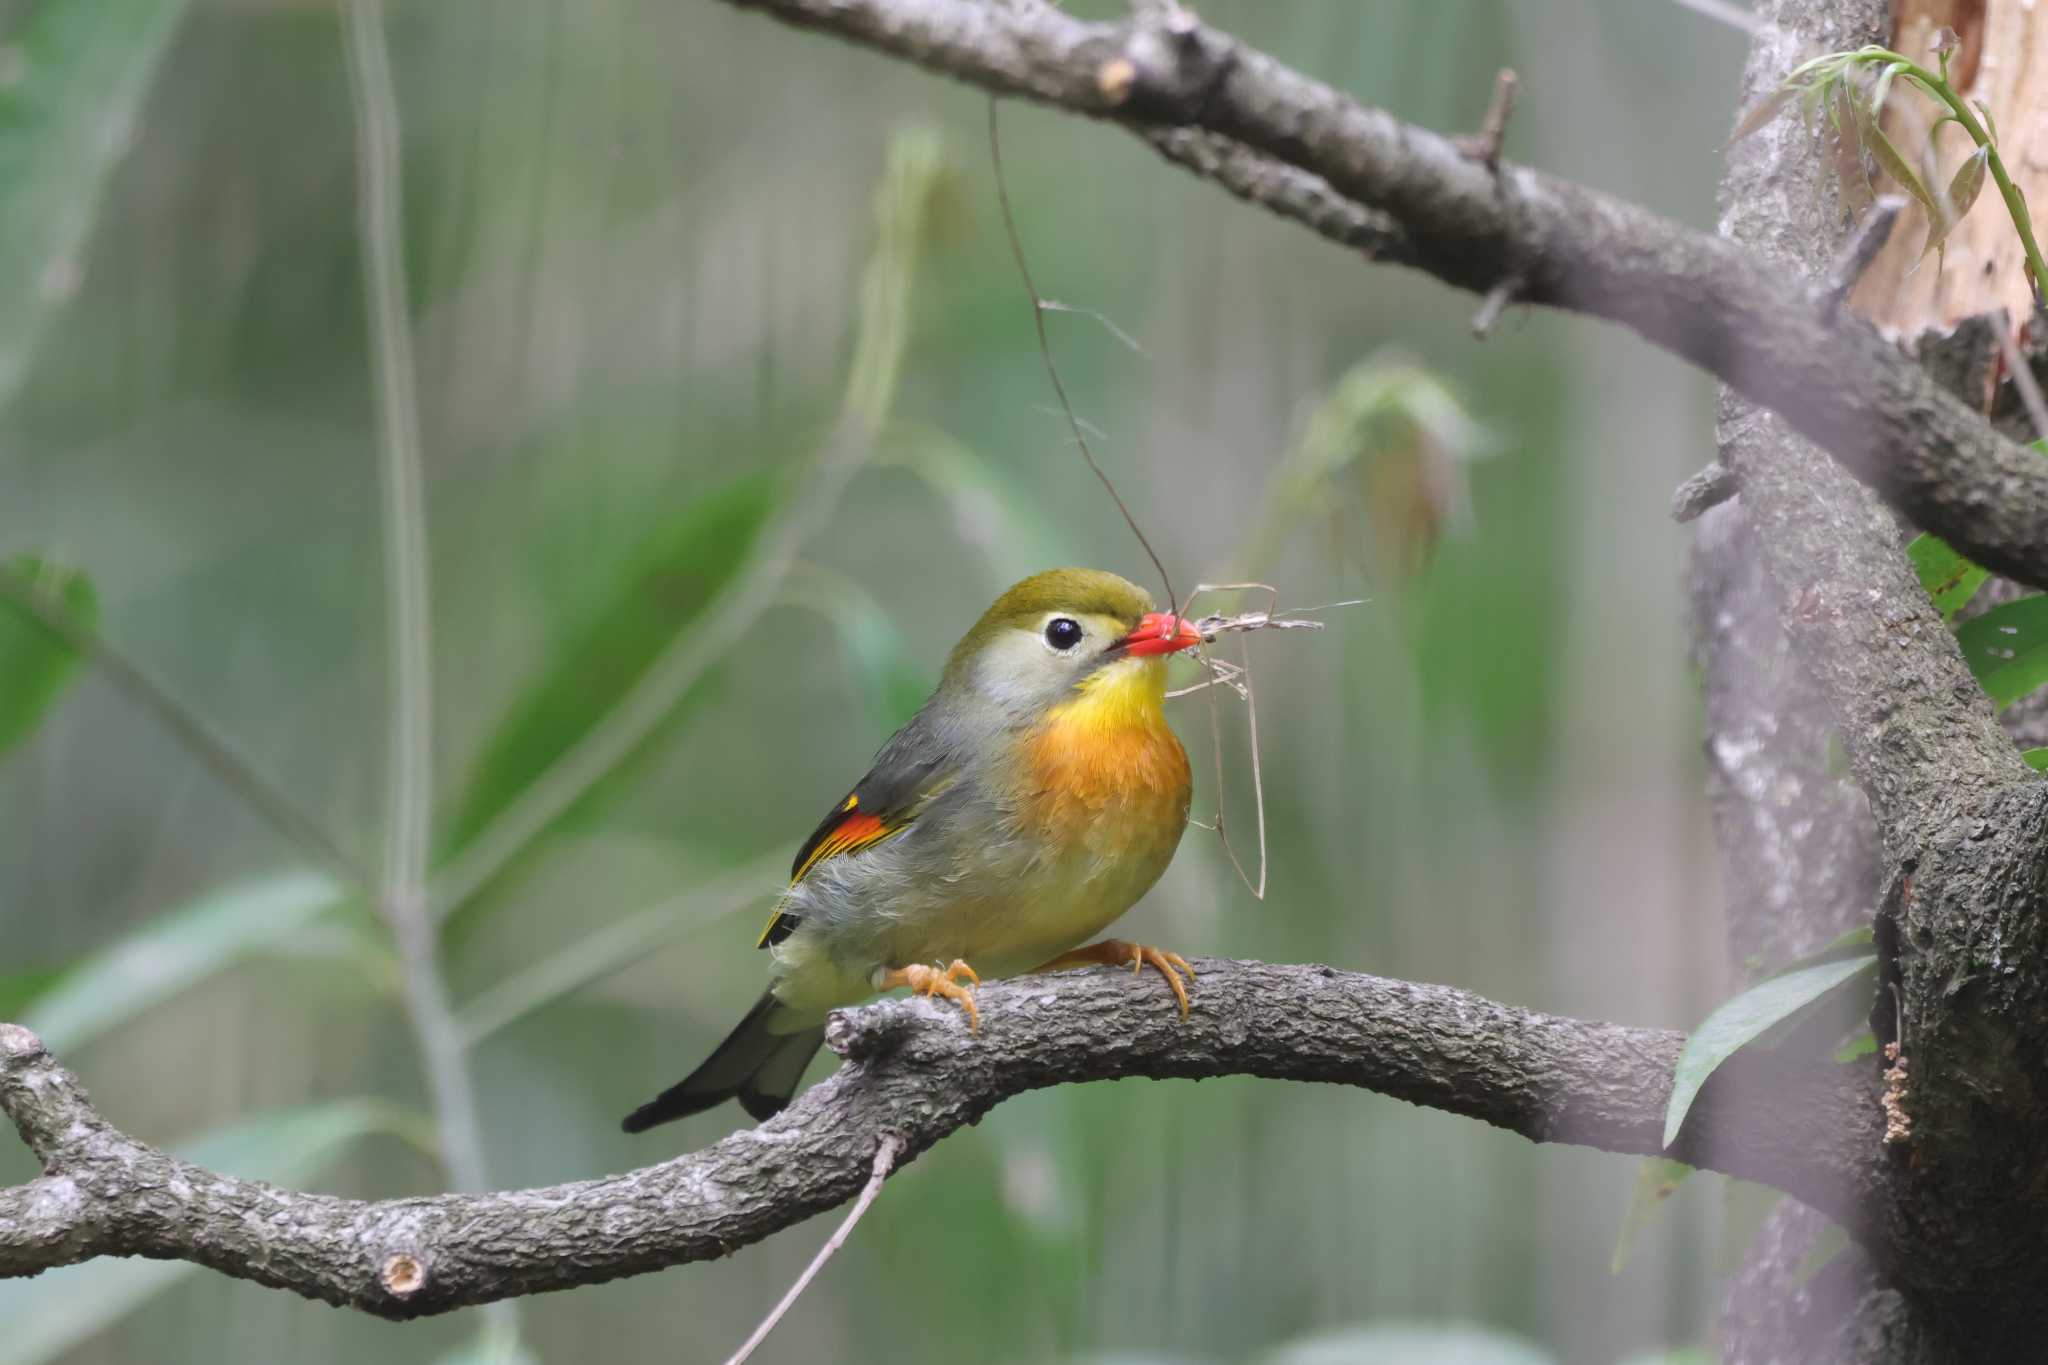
column 1063, row 634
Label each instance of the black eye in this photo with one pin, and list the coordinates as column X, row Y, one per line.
column 1063, row 632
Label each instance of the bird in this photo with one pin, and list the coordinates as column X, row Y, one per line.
column 1031, row 800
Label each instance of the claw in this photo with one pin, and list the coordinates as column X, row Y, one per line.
column 1115, row 952
column 937, row 981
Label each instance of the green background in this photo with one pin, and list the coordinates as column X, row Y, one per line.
column 635, row 235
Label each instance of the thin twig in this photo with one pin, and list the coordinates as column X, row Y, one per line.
column 266, row 798
column 1052, row 371
column 1861, row 249
column 409, row 608
column 1484, row 145
column 886, row 1152
column 1239, row 680
column 1251, row 711
column 1494, row 304
column 1711, row 487
column 1131, row 342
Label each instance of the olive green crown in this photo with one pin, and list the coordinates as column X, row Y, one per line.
column 1084, row 592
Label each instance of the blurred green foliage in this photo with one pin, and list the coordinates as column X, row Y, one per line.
column 35, row 661
column 676, row 339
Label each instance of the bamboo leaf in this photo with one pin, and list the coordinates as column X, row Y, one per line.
column 675, row 576
column 36, row 664
column 175, row 951
column 2037, row 759
column 1740, row 1021
column 600, row 952
column 60, row 1309
column 2007, row 648
column 78, row 75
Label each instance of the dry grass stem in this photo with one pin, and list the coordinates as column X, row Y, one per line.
column 886, row 1153
column 1238, row 678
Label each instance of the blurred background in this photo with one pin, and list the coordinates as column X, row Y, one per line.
column 658, row 254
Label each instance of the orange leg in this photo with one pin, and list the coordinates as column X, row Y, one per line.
column 940, row 981
column 1116, row 952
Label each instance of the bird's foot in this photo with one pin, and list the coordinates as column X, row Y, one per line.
column 1117, row 952
column 940, row 981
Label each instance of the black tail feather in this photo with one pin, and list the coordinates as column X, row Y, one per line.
column 758, row 1068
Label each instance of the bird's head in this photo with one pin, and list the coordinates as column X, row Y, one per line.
column 1066, row 631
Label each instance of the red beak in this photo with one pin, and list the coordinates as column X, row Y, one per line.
column 1160, row 632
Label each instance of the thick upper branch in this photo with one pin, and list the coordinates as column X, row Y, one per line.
column 1703, row 298
column 916, row 1072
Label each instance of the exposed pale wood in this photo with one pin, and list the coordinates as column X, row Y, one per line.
column 2003, row 61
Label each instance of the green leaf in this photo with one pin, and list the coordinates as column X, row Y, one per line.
column 62, row 1308
column 1861, row 1043
column 2037, row 759
column 20, row 986
column 1739, row 1021
column 1962, row 193
column 1894, row 165
column 1882, row 91
column 2007, row 648
column 1657, row 1179
column 174, row 951
column 77, row 74
column 1409, row 1343
column 676, row 574
column 1849, row 943
column 1951, row 581
column 35, row 662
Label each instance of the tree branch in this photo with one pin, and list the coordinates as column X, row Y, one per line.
column 916, row 1073
column 1703, row 298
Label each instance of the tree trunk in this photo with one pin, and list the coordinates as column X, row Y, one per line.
column 1802, row 856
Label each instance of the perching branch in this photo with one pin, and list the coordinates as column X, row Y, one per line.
column 1756, row 325
column 915, row 1072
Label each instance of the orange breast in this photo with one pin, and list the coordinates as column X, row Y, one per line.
column 1111, row 790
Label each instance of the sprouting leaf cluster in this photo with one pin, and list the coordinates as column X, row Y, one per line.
column 1843, row 96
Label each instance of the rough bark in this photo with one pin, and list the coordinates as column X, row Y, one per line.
column 1488, row 228
column 1811, row 622
column 1806, row 567
column 916, row 1072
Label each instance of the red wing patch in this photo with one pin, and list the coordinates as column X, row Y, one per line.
column 846, row 830
column 856, row 830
